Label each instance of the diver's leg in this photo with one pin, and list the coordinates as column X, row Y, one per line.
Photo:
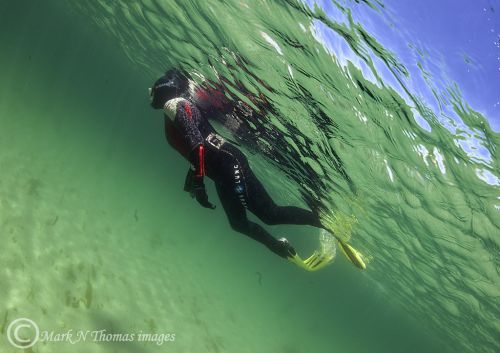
column 238, row 220
column 263, row 206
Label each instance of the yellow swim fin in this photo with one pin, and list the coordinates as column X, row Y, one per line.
column 353, row 255
column 318, row 260
column 315, row 262
column 340, row 226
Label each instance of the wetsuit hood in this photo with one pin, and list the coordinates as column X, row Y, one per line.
column 172, row 84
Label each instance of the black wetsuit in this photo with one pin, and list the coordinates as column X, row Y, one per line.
column 238, row 188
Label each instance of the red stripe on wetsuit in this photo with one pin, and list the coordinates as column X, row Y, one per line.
column 201, row 159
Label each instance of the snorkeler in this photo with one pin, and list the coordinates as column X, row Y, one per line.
column 188, row 130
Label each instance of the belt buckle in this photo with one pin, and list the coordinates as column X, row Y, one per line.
column 215, row 140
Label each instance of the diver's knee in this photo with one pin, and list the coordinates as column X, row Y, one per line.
column 239, row 226
column 268, row 217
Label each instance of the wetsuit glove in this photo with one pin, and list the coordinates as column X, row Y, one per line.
column 200, row 193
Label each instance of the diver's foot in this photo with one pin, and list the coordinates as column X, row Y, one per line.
column 285, row 250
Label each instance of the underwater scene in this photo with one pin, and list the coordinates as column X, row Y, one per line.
column 343, row 176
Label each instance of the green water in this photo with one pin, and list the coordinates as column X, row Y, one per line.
column 96, row 232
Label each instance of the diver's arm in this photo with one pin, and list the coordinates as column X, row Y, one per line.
column 198, row 186
column 187, row 117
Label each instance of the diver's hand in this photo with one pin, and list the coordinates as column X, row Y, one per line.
column 200, row 193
